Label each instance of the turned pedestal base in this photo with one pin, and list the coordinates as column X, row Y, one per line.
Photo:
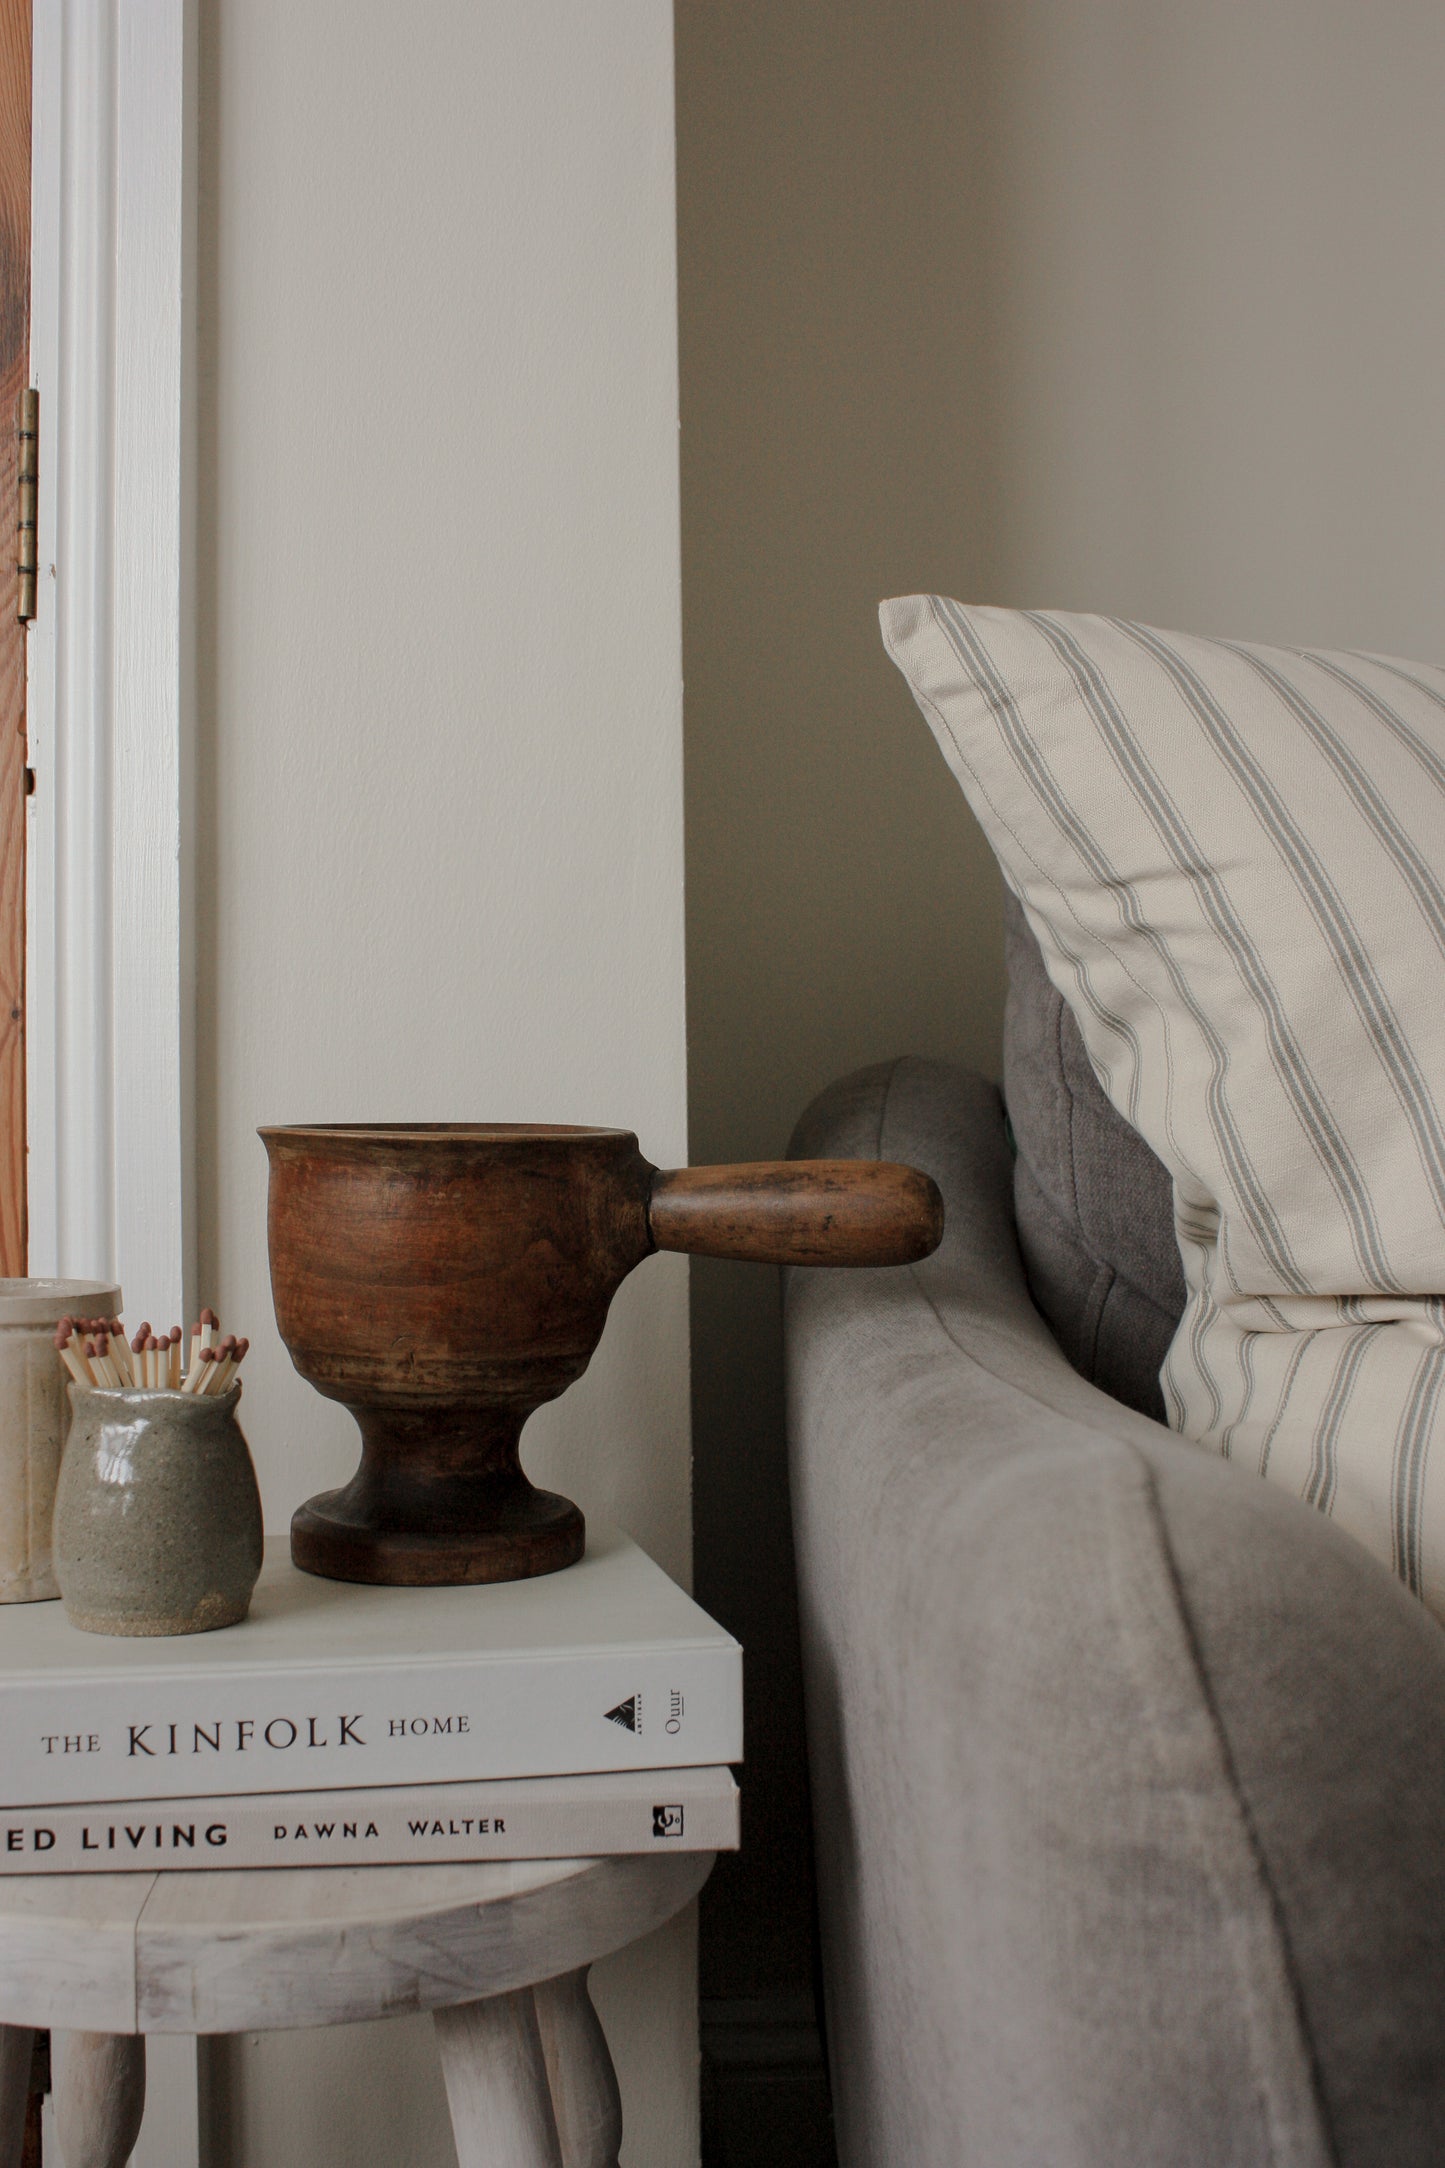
column 540, row 1534
column 439, row 1499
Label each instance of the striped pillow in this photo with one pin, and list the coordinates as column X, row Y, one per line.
column 1233, row 858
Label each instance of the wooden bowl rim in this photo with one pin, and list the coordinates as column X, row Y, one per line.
column 434, row 1132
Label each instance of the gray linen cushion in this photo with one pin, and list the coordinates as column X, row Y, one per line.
column 1094, row 1207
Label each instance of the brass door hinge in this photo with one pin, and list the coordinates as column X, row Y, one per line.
column 27, row 431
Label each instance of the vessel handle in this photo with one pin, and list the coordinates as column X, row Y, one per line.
column 799, row 1212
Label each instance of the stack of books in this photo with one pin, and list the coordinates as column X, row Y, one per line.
column 586, row 1712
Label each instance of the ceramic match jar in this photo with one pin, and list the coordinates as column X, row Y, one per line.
column 34, row 1414
column 157, row 1513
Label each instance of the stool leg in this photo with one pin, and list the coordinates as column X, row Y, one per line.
column 585, row 2098
column 497, row 2084
column 99, row 2084
column 17, row 2045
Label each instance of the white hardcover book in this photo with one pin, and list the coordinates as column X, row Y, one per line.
column 329, row 1684
column 644, row 1810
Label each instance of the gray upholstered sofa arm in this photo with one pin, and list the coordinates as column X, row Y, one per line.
column 1128, row 1770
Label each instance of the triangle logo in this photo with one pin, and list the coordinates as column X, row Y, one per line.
column 625, row 1714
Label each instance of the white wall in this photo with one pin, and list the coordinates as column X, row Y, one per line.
column 441, row 836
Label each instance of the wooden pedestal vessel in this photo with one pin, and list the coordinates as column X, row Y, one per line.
column 442, row 1281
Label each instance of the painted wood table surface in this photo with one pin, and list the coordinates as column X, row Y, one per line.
column 498, row 1952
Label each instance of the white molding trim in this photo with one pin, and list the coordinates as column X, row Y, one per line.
column 109, row 966
column 110, row 971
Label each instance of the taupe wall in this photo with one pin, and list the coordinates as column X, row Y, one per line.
column 1130, row 305
column 1215, row 237
column 840, row 902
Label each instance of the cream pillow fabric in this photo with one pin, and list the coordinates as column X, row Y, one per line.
column 1233, row 858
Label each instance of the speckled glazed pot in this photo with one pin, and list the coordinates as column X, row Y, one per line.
column 157, row 1514
column 33, row 1416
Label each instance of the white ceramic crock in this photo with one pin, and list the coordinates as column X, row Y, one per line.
column 34, row 1417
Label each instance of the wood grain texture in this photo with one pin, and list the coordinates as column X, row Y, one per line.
column 14, row 374
column 264, row 1951
column 17, row 2046
column 99, row 2083
column 496, row 2079
column 255, row 1952
column 799, row 1212
column 580, row 2076
column 442, row 1281
column 68, row 1951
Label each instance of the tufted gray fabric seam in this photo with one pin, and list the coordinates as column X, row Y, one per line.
column 1063, row 1069
column 883, row 1097
column 1288, row 1962
column 1099, row 1295
column 1117, row 1277
column 1195, row 1657
column 1105, row 1275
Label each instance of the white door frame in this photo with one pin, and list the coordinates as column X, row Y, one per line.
column 110, row 965
column 109, row 959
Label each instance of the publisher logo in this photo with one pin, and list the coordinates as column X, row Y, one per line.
column 626, row 1714
column 667, row 1821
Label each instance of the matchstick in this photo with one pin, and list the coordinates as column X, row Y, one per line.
column 65, row 1348
column 120, row 1353
column 96, row 1353
column 216, row 1383
column 116, row 1349
column 220, row 1376
column 191, row 1382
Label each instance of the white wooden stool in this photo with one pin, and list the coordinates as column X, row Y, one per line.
column 498, row 1952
